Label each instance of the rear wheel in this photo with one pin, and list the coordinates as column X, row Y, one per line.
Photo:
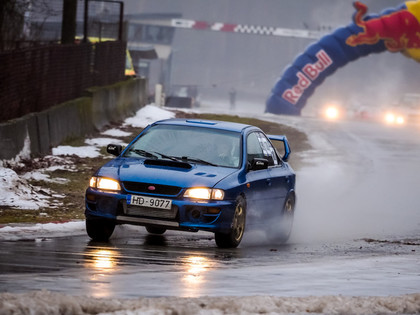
column 281, row 232
column 99, row 229
column 234, row 237
column 155, row 230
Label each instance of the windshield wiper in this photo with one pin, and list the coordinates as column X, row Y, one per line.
column 144, row 153
column 169, row 157
column 155, row 154
column 191, row 159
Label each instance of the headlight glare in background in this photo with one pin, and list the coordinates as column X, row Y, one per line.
column 332, row 113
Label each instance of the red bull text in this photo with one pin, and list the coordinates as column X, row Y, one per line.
column 309, row 73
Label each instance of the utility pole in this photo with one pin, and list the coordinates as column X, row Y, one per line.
column 68, row 27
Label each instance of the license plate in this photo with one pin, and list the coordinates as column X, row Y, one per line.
column 150, row 202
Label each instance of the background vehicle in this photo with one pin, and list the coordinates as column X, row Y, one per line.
column 194, row 175
column 129, row 68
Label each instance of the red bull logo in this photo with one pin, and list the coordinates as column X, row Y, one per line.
column 309, row 73
column 399, row 30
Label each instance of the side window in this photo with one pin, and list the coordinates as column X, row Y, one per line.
column 260, row 147
column 254, row 149
column 268, row 150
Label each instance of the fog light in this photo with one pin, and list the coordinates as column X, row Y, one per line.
column 213, row 210
column 195, row 214
column 90, row 197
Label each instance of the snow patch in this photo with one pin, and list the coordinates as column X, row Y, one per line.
column 41, row 231
column 147, row 115
column 103, row 142
column 24, row 154
column 41, row 176
column 46, row 302
column 83, row 151
column 17, row 192
column 116, row 133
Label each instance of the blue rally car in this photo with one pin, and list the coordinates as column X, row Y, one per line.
column 194, row 175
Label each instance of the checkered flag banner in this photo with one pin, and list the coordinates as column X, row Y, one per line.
column 245, row 29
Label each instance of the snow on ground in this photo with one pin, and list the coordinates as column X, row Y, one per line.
column 83, row 151
column 147, row 115
column 35, row 232
column 103, row 142
column 46, row 302
column 115, row 133
column 17, row 192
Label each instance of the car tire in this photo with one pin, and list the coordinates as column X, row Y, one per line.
column 234, row 237
column 155, row 230
column 281, row 233
column 99, row 230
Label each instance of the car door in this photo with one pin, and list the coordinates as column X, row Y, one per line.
column 277, row 180
column 258, row 181
column 278, row 172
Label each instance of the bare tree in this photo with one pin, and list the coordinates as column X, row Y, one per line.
column 12, row 17
column 16, row 20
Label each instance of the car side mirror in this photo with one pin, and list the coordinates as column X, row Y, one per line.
column 258, row 164
column 114, row 149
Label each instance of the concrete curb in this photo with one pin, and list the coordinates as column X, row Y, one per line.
column 75, row 118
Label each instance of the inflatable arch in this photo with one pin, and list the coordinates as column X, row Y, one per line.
column 394, row 29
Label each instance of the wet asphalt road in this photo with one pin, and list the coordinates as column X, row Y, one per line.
column 178, row 264
column 357, row 232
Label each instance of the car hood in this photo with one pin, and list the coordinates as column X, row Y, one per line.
column 182, row 174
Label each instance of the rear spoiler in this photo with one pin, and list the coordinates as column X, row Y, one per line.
column 283, row 139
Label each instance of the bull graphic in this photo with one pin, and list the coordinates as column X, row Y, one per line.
column 400, row 30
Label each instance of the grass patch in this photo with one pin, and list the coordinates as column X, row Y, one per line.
column 74, row 141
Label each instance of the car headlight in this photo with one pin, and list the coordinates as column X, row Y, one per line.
column 400, row 120
column 332, row 113
column 394, row 119
column 390, row 118
column 104, row 183
column 204, row 193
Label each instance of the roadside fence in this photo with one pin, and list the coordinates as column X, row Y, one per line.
column 34, row 79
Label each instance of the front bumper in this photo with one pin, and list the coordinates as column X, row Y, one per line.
column 185, row 214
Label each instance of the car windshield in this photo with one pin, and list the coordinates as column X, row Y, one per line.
column 191, row 144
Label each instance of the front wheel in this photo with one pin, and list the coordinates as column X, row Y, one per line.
column 234, row 237
column 99, row 229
